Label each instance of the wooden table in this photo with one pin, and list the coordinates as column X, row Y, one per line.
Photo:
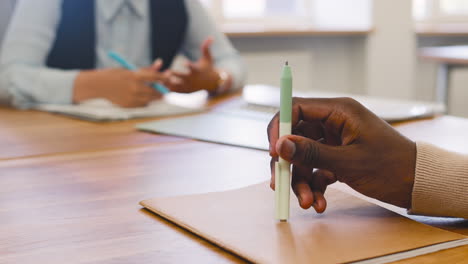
column 34, row 133
column 447, row 58
column 62, row 201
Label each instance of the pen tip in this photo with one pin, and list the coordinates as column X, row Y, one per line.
column 287, row 63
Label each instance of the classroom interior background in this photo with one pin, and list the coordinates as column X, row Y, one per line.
column 366, row 47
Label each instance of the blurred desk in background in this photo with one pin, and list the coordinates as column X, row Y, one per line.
column 442, row 30
column 300, row 30
column 447, row 58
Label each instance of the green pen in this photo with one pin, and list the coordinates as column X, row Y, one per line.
column 282, row 167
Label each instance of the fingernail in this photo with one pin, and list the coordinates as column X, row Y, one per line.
column 318, row 206
column 287, row 149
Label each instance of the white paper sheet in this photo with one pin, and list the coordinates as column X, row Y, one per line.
column 103, row 110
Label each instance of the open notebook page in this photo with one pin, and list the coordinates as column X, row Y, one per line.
column 103, row 110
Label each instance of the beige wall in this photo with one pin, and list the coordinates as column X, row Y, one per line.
column 319, row 63
column 383, row 64
column 458, row 95
column 390, row 50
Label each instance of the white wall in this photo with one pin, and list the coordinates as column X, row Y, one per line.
column 458, row 95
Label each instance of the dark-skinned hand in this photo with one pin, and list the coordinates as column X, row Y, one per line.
column 341, row 140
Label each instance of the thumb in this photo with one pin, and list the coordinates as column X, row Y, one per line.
column 205, row 49
column 157, row 65
column 302, row 151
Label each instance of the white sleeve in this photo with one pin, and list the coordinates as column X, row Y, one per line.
column 24, row 75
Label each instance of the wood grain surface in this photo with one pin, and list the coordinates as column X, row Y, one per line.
column 34, row 133
column 83, row 208
column 69, row 190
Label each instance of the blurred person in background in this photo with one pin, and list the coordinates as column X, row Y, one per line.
column 56, row 51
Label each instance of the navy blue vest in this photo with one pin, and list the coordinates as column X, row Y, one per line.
column 75, row 43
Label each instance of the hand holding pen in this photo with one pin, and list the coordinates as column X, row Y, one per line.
column 154, row 68
column 120, row 86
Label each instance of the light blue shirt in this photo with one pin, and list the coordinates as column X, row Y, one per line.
column 122, row 26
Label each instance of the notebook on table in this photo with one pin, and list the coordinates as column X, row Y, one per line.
column 214, row 127
column 243, row 122
column 103, row 110
column 389, row 109
column 351, row 230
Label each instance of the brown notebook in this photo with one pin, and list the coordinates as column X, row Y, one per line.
column 242, row 222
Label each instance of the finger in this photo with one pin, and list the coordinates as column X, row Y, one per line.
column 273, row 126
column 157, row 64
column 300, row 186
column 316, row 109
column 272, row 168
column 205, row 49
column 156, row 96
column 309, row 153
column 334, row 112
column 178, row 85
column 193, row 67
column 143, row 101
column 341, row 117
column 312, row 130
column 137, row 101
column 181, row 75
column 321, row 178
column 320, row 203
column 146, row 91
column 143, row 89
column 153, row 93
column 319, row 181
column 273, row 132
column 167, row 73
column 148, row 96
column 148, row 76
column 132, row 104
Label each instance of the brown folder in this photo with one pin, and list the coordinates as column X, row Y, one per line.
column 242, row 222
